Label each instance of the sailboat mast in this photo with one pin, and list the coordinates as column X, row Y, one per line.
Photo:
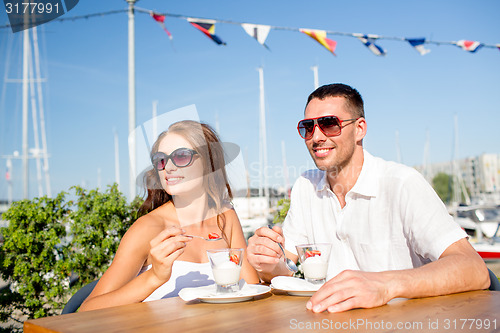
column 26, row 52
column 263, row 139
column 458, row 185
column 34, row 116
column 131, row 97
column 117, row 159
column 456, row 188
column 42, row 114
column 285, row 168
column 315, row 73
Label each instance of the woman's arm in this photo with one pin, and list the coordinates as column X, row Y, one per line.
column 120, row 284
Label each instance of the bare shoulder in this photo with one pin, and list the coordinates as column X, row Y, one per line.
column 233, row 227
column 136, row 241
column 230, row 215
column 146, row 227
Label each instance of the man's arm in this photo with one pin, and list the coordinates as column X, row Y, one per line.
column 458, row 269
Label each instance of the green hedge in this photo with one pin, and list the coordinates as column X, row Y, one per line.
column 48, row 239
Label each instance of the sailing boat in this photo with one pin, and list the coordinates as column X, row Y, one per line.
column 480, row 221
column 482, row 224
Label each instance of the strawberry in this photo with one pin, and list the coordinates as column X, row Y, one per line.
column 312, row 253
column 234, row 258
column 213, row 235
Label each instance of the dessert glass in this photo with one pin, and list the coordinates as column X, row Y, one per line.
column 314, row 260
column 226, row 267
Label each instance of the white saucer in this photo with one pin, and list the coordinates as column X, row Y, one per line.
column 208, row 294
column 295, row 292
column 293, row 286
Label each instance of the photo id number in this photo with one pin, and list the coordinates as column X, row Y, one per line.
column 31, row 8
column 470, row 324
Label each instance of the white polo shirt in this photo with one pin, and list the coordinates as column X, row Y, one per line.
column 392, row 219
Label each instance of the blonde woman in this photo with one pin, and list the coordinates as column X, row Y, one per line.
column 187, row 194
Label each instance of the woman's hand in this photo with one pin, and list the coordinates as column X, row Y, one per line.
column 165, row 249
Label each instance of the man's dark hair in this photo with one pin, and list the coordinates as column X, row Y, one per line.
column 354, row 102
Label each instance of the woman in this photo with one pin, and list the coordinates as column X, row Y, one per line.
column 187, row 194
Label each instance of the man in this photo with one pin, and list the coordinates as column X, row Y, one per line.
column 391, row 235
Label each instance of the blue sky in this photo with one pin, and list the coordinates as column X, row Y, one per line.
column 86, row 94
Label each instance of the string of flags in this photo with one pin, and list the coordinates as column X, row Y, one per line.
column 260, row 33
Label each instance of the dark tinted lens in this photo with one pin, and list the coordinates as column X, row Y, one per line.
column 329, row 125
column 306, row 128
column 159, row 161
column 182, row 157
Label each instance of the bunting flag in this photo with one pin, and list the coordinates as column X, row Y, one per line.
column 161, row 20
column 207, row 27
column 469, row 45
column 8, row 172
column 320, row 37
column 369, row 41
column 418, row 44
column 257, row 31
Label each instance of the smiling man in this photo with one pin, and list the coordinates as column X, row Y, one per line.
column 391, row 235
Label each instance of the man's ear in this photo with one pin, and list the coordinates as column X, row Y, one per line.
column 361, row 128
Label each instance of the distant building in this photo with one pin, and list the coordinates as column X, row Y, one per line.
column 480, row 174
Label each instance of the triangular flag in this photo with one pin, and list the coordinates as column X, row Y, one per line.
column 161, row 20
column 469, row 45
column 257, row 31
column 369, row 41
column 207, row 27
column 418, row 44
column 320, row 37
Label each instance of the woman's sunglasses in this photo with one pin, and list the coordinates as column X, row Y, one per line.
column 181, row 157
column 328, row 125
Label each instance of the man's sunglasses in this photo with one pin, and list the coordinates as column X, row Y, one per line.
column 328, row 125
column 181, row 157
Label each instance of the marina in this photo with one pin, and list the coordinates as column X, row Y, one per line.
column 482, row 224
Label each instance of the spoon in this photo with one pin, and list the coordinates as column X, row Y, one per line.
column 207, row 239
column 289, row 264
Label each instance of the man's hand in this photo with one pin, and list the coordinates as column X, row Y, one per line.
column 458, row 269
column 264, row 253
column 350, row 290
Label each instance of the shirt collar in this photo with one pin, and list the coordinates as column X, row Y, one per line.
column 323, row 183
column 367, row 182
